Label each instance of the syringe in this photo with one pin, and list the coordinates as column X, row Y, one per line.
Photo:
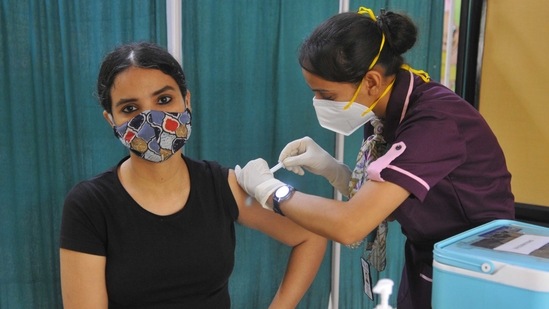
column 277, row 167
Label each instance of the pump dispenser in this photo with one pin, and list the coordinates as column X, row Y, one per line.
column 384, row 287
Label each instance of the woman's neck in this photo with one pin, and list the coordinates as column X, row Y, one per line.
column 167, row 175
column 160, row 188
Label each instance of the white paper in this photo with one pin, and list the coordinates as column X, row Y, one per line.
column 524, row 244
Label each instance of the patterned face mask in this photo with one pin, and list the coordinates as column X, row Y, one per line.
column 155, row 135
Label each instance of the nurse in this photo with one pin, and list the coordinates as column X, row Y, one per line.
column 429, row 160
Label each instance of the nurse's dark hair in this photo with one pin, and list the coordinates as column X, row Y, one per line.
column 342, row 48
column 141, row 55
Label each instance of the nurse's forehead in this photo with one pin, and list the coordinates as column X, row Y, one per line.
column 328, row 86
column 318, row 84
column 321, row 90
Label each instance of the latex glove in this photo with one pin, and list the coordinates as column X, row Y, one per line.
column 304, row 153
column 257, row 180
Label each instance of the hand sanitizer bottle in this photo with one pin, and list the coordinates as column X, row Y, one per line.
column 384, row 287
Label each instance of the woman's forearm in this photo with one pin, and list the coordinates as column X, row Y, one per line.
column 303, row 264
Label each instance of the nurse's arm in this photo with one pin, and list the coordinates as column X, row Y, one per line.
column 346, row 221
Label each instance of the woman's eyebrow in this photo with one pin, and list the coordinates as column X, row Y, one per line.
column 124, row 101
column 159, row 91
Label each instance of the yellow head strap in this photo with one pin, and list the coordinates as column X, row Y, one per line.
column 362, row 10
column 424, row 75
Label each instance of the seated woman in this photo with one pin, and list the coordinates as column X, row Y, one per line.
column 157, row 230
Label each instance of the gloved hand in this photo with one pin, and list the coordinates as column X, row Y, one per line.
column 257, row 180
column 305, row 153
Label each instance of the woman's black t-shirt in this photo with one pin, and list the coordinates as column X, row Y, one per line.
column 182, row 260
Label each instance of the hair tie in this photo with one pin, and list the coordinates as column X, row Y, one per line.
column 385, row 27
column 381, row 18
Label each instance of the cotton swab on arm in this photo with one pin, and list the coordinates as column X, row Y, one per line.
column 273, row 169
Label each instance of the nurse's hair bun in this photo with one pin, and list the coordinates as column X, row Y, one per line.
column 400, row 31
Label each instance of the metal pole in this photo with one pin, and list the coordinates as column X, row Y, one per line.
column 336, row 247
column 449, row 42
column 174, row 32
column 343, row 6
column 173, row 24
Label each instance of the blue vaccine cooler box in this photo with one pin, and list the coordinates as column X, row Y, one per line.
column 501, row 264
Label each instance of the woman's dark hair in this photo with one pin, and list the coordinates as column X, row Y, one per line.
column 141, row 55
column 342, row 48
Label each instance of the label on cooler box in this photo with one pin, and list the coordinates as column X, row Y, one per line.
column 535, row 245
column 512, row 239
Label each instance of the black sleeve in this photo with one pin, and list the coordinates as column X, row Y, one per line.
column 82, row 224
column 221, row 176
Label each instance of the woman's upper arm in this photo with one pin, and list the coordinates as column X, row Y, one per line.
column 83, row 282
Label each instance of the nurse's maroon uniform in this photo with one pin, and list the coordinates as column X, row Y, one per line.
column 443, row 152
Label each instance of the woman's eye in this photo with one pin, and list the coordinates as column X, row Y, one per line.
column 129, row 109
column 164, row 100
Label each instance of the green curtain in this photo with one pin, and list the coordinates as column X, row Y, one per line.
column 53, row 133
column 249, row 99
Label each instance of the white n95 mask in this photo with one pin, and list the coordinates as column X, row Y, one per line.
column 332, row 115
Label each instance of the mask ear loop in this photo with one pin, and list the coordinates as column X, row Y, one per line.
column 346, row 107
column 111, row 119
column 186, row 102
column 422, row 74
column 380, row 97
